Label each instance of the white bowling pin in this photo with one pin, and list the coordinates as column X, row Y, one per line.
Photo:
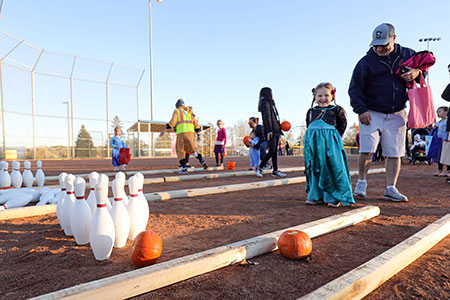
column 40, row 176
column 102, row 232
column 144, row 201
column 138, row 222
column 124, row 194
column 28, row 177
column 93, row 180
column 8, row 194
column 104, row 179
column 60, row 198
column 67, row 205
column 5, row 178
column 19, row 200
column 81, row 213
column 119, row 214
column 16, row 176
column 46, row 198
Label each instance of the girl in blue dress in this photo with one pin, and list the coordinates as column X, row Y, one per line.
column 326, row 165
column 117, row 143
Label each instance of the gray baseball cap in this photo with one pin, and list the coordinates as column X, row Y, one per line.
column 382, row 34
column 180, row 102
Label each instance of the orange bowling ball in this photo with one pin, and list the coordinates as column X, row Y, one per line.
column 285, row 126
column 146, row 249
column 246, row 140
column 294, row 244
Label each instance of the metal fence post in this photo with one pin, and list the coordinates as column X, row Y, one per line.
column 107, row 109
column 3, row 110
column 71, row 104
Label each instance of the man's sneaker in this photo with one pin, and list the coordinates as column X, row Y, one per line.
column 278, row 174
column 314, row 202
column 258, row 172
column 394, row 195
column 334, row 204
column 267, row 167
column 360, row 189
column 183, row 171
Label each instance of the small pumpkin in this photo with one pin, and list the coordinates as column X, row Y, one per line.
column 146, row 249
column 285, row 126
column 294, row 244
column 247, row 140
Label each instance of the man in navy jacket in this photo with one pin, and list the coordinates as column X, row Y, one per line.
column 379, row 97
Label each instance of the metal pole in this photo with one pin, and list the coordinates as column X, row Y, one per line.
column 3, row 110
column 151, row 71
column 107, row 110
column 33, row 103
column 68, row 129
column 138, row 116
column 71, row 103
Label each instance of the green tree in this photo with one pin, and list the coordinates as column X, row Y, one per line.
column 84, row 146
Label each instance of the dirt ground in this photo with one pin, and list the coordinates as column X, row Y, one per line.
column 36, row 257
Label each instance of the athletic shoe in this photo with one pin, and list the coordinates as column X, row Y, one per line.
column 360, row 189
column 333, row 204
column 446, row 174
column 183, row 171
column 438, row 173
column 267, row 167
column 204, row 165
column 278, row 174
column 250, row 169
column 393, row 194
column 447, row 180
column 314, row 202
column 258, row 172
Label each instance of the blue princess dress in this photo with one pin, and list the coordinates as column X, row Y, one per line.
column 117, row 143
column 326, row 164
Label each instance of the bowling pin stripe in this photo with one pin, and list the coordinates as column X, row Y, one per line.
column 80, row 198
column 16, row 169
column 139, row 190
column 63, row 189
column 70, row 193
column 101, row 205
column 117, row 199
column 92, row 189
column 133, row 195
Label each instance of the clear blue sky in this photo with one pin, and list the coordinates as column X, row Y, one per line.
column 217, row 55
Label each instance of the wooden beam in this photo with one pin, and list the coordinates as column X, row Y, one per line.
column 177, row 194
column 150, row 278
column 359, row 282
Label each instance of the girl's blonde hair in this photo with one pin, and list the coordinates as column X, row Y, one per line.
column 325, row 85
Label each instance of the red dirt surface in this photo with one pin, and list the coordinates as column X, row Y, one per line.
column 36, row 257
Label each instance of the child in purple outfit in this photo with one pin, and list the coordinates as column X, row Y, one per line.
column 221, row 141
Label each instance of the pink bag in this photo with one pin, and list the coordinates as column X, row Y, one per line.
column 421, row 107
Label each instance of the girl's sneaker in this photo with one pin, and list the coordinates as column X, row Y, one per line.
column 314, row 202
column 334, row 204
column 446, row 174
column 278, row 174
column 258, row 172
column 438, row 173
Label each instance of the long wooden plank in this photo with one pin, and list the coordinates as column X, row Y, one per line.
column 143, row 280
column 177, row 194
column 359, row 282
column 144, row 172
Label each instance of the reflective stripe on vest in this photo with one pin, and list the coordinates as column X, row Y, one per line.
column 184, row 123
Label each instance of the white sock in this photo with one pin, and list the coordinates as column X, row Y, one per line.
column 390, row 187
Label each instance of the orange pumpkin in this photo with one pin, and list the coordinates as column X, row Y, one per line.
column 285, row 126
column 294, row 244
column 146, row 249
column 247, row 140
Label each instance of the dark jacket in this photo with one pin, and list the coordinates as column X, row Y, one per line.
column 271, row 120
column 333, row 116
column 446, row 93
column 259, row 131
column 374, row 85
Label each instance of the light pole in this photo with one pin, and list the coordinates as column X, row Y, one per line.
column 428, row 40
column 68, row 128
column 151, row 68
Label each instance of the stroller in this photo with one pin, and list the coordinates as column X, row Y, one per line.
column 418, row 148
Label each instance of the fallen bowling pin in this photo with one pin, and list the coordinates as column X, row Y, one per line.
column 81, row 213
column 28, row 177
column 40, row 176
column 93, row 181
column 102, row 231
column 16, row 176
column 119, row 214
column 45, row 198
column 67, row 205
column 19, row 200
